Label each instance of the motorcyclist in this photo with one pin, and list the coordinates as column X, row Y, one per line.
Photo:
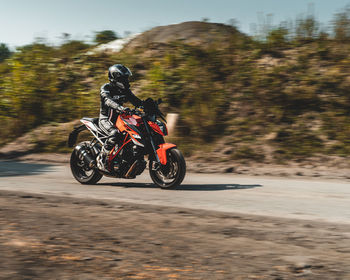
column 113, row 95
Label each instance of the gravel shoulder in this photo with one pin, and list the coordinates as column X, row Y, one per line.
column 53, row 237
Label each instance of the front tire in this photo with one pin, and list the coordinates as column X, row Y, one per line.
column 82, row 173
column 172, row 174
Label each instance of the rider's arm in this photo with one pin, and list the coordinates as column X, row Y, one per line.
column 134, row 99
column 107, row 99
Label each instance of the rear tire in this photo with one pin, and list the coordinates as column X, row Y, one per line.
column 83, row 174
column 171, row 175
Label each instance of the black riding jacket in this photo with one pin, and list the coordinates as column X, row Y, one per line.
column 112, row 99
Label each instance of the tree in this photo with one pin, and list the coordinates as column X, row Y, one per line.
column 105, row 36
column 4, row 52
column 72, row 47
column 277, row 37
column 307, row 28
column 341, row 25
column 233, row 22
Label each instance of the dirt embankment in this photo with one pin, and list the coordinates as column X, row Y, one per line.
column 47, row 237
column 39, row 144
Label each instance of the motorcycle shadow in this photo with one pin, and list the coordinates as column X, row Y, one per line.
column 187, row 187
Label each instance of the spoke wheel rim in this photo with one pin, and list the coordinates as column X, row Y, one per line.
column 168, row 173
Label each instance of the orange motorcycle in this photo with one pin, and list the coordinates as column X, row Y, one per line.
column 142, row 137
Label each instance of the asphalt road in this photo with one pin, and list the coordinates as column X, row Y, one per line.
column 314, row 199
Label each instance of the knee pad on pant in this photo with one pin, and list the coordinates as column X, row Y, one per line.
column 112, row 140
column 113, row 134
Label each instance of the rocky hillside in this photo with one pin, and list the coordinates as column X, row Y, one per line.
column 273, row 101
column 192, row 32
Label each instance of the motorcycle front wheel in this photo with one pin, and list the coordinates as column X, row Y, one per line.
column 172, row 174
column 82, row 173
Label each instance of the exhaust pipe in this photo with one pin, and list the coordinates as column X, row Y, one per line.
column 129, row 174
column 84, row 155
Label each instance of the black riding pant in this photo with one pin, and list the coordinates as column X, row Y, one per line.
column 108, row 127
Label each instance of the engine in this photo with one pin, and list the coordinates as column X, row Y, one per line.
column 129, row 162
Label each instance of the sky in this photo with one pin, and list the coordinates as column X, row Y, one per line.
column 22, row 21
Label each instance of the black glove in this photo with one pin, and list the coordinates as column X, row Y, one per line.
column 127, row 111
column 141, row 104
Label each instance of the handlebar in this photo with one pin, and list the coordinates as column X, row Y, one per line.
column 132, row 112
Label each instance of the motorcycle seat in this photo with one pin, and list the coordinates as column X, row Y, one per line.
column 95, row 122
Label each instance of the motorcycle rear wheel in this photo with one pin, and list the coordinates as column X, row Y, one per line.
column 84, row 175
column 171, row 175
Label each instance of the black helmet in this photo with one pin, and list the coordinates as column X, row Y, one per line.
column 119, row 75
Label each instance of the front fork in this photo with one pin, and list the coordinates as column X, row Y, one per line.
column 157, row 163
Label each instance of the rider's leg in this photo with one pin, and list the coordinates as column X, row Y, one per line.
column 111, row 142
column 111, row 131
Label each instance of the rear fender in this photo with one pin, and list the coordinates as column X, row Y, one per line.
column 72, row 139
column 161, row 152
